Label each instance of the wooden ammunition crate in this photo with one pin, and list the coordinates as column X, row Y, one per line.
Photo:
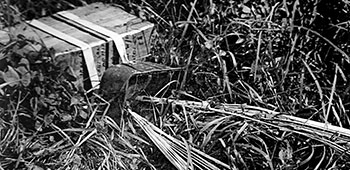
column 135, row 32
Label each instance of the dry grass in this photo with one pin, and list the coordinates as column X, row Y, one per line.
column 265, row 87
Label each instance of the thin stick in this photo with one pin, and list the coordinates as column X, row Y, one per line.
column 188, row 19
column 186, row 69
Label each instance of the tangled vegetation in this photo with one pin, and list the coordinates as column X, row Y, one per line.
column 265, row 87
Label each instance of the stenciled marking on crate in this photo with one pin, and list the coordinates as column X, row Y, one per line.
column 137, row 46
column 100, row 58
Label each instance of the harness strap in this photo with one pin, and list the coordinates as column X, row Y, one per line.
column 86, row 49
column 117, row 38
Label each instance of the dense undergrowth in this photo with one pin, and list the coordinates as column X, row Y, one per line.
column 288, row 56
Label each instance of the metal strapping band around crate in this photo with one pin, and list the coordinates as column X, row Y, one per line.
column 86, row 49
column 117, row 38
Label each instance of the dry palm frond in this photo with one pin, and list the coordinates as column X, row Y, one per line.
column 330, row 135
column 176, row 151
column 252, row 111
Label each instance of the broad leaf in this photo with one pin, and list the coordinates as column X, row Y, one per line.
column 10, row 76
